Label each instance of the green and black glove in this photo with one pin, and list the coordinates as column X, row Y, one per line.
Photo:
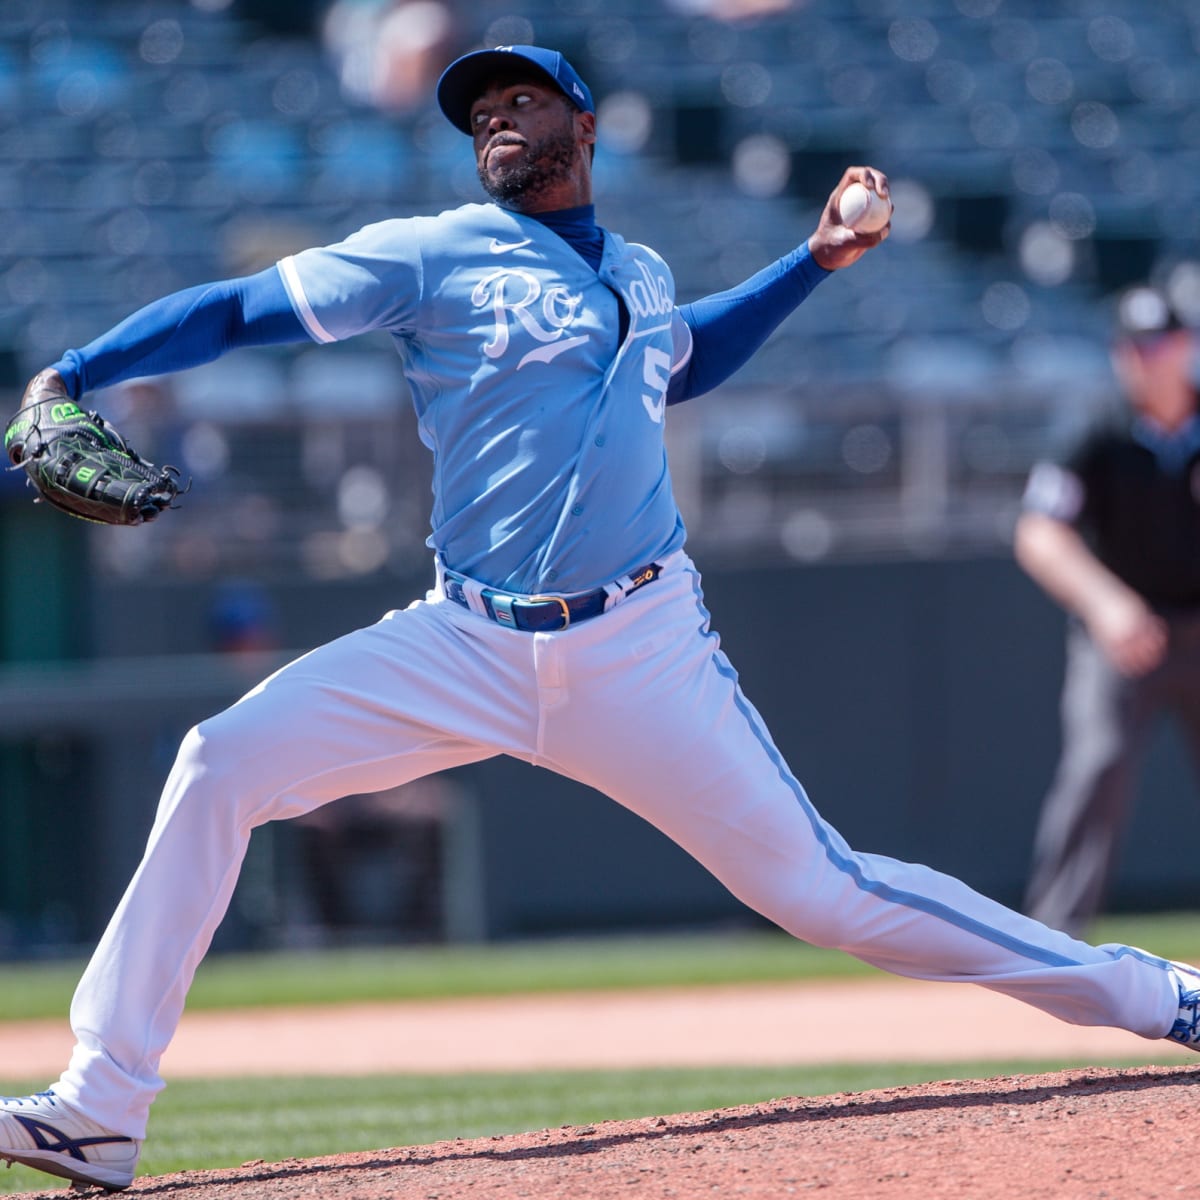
column 79, row 463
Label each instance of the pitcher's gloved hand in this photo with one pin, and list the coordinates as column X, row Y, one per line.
column 79, row 463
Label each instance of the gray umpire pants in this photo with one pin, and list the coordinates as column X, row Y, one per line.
column 1106, row 721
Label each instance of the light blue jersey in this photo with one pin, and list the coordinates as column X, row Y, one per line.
column 550, row 473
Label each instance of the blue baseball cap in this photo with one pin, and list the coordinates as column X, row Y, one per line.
column 464, row 80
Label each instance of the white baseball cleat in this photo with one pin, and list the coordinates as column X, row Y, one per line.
column 42, row 1131
column 1186, row 1030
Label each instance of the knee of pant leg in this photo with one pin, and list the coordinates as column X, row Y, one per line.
column 822, row 906
column 193, row 765
column 211, row 776
column 207, row 756
column 822, row 927
column 190, row 756
column 797, row 910
column 226, row 761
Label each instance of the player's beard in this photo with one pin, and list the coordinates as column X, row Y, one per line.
column 543, row 164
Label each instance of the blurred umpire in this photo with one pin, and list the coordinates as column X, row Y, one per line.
column 1111, row 530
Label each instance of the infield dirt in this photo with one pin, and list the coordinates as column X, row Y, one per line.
column 1086, row 1133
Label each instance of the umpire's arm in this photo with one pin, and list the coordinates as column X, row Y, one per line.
column 1056, row 557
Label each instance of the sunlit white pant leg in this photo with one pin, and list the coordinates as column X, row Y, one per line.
column 372, row 710
column 649, row 711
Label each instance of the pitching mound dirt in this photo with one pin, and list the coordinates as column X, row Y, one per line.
column 1097, row 1133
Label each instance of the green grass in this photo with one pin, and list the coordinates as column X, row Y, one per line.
column 207, row 1124
column 425, row 972
column 337, row 976
column 204, row 1124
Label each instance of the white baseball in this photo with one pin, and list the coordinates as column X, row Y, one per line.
column 864, row 210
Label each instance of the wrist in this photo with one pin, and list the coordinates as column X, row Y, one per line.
column 47, row 384
column 809, row 264
column 71, row 369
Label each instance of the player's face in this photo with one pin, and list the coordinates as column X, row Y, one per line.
column 529, row 147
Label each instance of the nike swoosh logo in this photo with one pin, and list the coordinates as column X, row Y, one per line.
column 499, row 247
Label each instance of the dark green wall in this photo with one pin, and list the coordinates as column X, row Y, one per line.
column 46, row 814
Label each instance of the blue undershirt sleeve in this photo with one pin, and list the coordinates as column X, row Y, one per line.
column 186, row 329
column 729, row 327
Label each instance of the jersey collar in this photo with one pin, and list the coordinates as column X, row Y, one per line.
column 1173, row 450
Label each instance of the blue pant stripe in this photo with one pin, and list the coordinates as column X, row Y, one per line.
column 852, row 867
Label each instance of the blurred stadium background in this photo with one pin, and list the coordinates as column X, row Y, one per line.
column 850, row 494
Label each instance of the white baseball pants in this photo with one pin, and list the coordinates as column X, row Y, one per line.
column 640, row 703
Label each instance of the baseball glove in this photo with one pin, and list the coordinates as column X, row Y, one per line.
column 79, row 463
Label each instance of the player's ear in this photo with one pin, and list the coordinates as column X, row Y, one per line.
column 585, row 123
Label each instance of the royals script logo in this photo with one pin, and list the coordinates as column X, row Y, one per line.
column 649, row 296
column 517, row 299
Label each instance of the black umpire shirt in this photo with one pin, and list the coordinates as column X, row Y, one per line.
column 1134, row 496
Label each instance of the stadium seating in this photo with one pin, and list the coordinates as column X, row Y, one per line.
column 1045, row 155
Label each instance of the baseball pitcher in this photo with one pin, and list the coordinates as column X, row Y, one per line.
column 567, row 625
